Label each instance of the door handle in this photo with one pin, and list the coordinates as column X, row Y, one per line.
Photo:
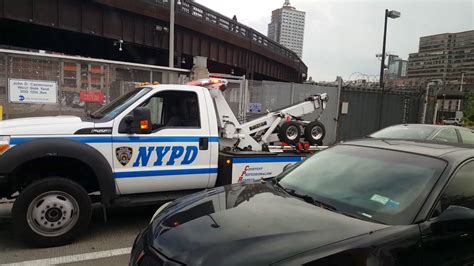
column 203, row 143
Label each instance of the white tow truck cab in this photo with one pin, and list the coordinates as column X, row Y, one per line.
column 155, row 143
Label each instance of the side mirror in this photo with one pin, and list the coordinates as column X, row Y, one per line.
column 454, row 219
column 139, row 122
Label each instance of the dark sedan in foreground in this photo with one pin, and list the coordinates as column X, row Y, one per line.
column 368, row 202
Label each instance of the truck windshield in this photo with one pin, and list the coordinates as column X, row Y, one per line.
column 373, row 184
column 118, row 105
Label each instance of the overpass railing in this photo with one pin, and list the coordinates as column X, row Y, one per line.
column 212, row 17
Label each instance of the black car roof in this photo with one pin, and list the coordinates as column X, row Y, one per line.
column 419, row 147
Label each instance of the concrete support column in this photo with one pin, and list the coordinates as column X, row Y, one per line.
column 199, row 70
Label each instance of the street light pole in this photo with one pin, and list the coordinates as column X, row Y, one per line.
column 388, row 14
column 382, row 64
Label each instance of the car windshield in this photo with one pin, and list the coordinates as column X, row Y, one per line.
column 119, row 105
column 374, row 184
column 404, row 132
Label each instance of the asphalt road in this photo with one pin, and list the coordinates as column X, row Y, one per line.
column 103, row 244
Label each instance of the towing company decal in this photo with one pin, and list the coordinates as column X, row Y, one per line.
column 253, row 173
column 124, row 154
column 187, row 155
column 241, row 178
column 249, row 169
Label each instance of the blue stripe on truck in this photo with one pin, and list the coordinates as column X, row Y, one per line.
column 109, row 139
column 273, row 159
column 165, row 172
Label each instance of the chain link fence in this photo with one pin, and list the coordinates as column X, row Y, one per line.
column 351, row 112
column 81, row 85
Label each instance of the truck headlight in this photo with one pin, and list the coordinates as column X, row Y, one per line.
column 4, row 143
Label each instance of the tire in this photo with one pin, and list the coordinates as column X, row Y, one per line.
column 51, row 212
column 290, row 133
column 314, row 133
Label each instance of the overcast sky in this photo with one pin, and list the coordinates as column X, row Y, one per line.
column 343, row 36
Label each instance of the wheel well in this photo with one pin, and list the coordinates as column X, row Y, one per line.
column 70, row 168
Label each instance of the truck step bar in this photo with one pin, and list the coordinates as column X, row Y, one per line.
column 150, row 198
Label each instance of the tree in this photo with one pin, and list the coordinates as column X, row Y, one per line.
column 469, row 108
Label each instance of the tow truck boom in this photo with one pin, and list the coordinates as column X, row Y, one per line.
column 258, row 133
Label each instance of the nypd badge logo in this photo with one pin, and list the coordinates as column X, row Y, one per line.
column 124, row 154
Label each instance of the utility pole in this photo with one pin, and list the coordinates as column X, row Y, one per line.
column 460, row 89
column 171, row 45
column 425, row 105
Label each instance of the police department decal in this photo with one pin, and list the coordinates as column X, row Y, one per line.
column 124, row 154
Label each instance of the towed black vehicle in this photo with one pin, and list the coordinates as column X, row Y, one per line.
column 368, row 202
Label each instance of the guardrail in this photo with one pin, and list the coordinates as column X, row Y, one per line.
column 218, row 20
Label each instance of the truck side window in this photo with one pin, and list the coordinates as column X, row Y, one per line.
column 460, row 191
column 174, row 109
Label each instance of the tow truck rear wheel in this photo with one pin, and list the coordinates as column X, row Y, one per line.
column 314, row 133
column 290, row 133
column 51, row 212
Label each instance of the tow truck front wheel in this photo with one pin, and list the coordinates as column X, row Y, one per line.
column 290, row 133
column 51, row 212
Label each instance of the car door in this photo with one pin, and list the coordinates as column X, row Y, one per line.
column 175, row 155
column 452, row 244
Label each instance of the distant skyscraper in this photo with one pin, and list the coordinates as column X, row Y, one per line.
column 287, row 27
column 397, row 68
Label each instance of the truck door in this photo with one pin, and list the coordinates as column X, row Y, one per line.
column 176, row 154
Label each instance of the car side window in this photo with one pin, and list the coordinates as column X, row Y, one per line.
column 467, row 136
column 447, row 135
column 174, row 109
column 460, row 191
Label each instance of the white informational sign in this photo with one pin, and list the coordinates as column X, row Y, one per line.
column 32, row 91
column 255, row 168
column 344, row 108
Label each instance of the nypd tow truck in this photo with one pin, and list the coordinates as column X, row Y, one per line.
column 155, row 143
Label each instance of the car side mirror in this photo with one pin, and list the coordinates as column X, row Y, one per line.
column 139, row 122
column 454, row 219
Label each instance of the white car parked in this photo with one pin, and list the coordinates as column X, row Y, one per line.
column 452, row 121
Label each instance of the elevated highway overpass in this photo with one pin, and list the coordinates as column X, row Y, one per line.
column 94, row 28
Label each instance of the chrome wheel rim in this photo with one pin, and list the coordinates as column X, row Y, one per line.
column 316, row 132
column 53, row 213
column 292, row 133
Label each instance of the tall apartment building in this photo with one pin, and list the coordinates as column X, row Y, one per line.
column 397, row 68
column 287, row 27
column 443, row 56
